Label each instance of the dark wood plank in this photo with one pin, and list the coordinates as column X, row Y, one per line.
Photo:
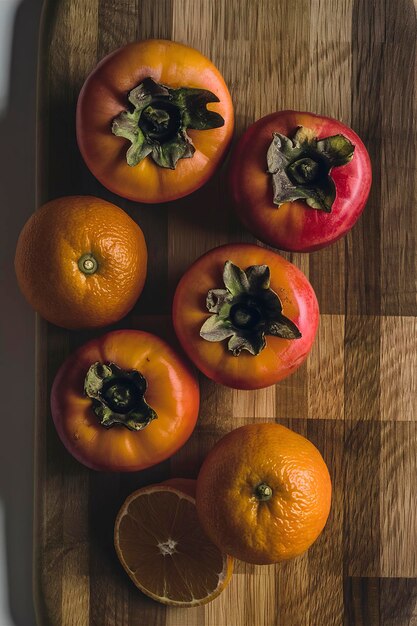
column 362, row 602
column 398, row 180
column 362, row 367
column 380, row 602
column 362, row 482
column 363, row 243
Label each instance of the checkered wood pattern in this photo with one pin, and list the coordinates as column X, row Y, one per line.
column 355, row 398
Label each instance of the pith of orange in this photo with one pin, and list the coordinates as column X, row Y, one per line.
column 81, row 262
column 162, row 547
column 263, row 493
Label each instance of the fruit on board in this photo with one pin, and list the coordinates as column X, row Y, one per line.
column 263, row 493
column 164, row 550
column 124, row 401
column 245, row 316
column 81, row 262
column 299, row 181
column 154, row 120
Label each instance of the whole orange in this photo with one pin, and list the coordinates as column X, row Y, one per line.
column 263, row 493
column 81, row 262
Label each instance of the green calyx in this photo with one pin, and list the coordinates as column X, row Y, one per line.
column 118, row 396
column 246, row 311
column 301, row 167
column 158, row 122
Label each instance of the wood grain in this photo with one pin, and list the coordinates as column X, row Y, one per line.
column 356, row 396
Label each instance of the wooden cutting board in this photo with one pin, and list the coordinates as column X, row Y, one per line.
column 355, row 398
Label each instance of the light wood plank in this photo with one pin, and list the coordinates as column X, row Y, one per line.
column 399, row 368
column 398, row 478
column 326, row 370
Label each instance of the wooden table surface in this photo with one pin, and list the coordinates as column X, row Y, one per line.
column 355, row 398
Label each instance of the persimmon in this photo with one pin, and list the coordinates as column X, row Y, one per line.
column 299, row 181
column 154, row 120
column 245, row 316
column 124, row 401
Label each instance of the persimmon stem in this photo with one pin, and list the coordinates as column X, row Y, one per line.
column 300, row 167
column 246, row 311
column 156, row 124
column 118, row 396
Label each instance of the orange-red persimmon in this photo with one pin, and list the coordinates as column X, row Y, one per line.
column 124, row 401
column 245, row 316
column 154, row 120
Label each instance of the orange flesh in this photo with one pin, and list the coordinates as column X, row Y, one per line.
column 164, row 550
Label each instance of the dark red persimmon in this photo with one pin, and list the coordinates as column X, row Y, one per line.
column 299, row 181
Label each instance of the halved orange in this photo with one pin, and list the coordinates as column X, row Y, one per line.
column 163, row 548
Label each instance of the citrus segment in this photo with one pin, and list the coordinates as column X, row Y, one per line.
column 163, row 548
